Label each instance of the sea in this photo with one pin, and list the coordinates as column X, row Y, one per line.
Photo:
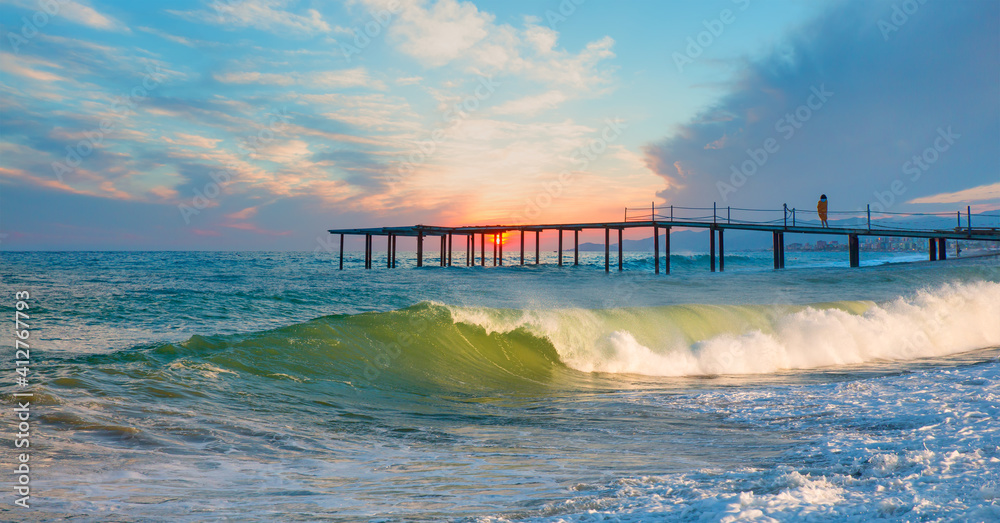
column 271, row 386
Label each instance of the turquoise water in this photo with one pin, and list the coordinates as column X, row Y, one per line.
column 271, row 386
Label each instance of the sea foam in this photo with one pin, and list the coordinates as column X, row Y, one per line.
column 738, row 339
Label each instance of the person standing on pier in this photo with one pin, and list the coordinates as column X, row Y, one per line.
column 821, row 208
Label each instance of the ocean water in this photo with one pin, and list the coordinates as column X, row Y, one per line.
column 273, row 387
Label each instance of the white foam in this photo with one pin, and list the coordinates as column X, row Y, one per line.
column 674, row 341
column 913, row 447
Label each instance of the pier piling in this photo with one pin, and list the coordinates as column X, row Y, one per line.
column 538, row 250
column 620, row 250
column 607, row 249
column 522, row 246
column 576, row 246
column 781, row 248
column 420, row 249
column 776, row 249
column 368, row 250
column 560, row 247
column 854, row 248
column 932, row 249
column 656, row 249
column 666, row 249
column 942, row 249
column 711, row 248
column 722, row 255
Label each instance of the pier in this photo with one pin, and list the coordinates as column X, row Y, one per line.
column 779, row 222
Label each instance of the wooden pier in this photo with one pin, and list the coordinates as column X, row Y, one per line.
column 791, row 221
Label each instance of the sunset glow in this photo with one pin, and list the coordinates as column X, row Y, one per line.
column 259, row 124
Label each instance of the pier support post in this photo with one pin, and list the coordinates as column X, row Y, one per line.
column 781, row 248
column 666, row 249
column 942, row 248
column 607, row 249
column 394, row 241
column 522, row 246
column 656, row 249
column 444, row 244
column 450, row 247
column 368, row 251
column 855, row 250
column 722, row 251
column 341, row 251
column 388, row 251
column 620, row 250
column 499, row 241
column 932, row 249
column 482, row 249
column 576, row 246
column 470, row 245
column 537, row 249
column 711, row 248
column 494, row 250
column 420, row 249
column 776, row 249
column 560, row 247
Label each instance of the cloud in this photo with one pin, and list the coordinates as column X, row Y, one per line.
column 974, row 194
column 265, row 15
column 837, row 109
column 246, row 226
column 29, row 68
column 192, row 140
column 172, row 37
column 409, row 80
column 76, row 12
column 245, row 214
column 532, row 105
column 339, row 79
column 254, row 78
column 166, row 193
column 441, row 33
column 451, row 32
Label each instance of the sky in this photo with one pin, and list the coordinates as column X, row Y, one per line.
column 260, row 124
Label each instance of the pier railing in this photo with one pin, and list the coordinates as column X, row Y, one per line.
column 868, row 219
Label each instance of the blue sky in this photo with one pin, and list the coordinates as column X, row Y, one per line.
column 258, row 124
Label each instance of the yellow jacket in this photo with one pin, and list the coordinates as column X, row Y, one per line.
column 821, row 209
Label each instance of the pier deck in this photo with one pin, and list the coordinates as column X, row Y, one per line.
column 657, row 219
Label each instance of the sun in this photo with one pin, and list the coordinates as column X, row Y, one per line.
column 500, row 239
